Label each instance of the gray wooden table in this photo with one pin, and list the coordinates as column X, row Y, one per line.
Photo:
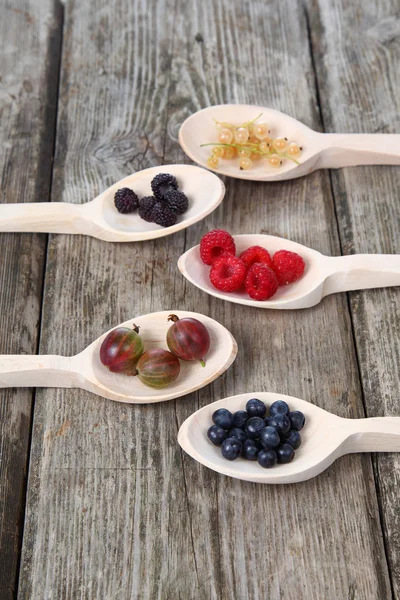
column 97, row 501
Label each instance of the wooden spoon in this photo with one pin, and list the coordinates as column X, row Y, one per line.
column 323, row 274
column 320, row 150
column 99, row 218
column 85, row 370
column 325, row 438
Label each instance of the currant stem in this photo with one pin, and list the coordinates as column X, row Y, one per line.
column 201, row 361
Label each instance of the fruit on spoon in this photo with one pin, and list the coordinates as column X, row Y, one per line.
column 188, row 338
column 158, row 368
column 121, row 350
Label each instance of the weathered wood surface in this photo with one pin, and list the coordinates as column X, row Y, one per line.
column 357, row 52
column 115, row 510
column 29, row 41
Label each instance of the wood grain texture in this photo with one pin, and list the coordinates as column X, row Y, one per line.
column 29, row 39
column 115, row 510
column 358, row 58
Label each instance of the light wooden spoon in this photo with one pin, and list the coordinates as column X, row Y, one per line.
column 99, row 218
column 85, row 370
column 320, row 150
column 323, row 275
column 325, row 438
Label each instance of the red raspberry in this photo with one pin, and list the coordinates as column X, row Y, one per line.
column 214, row 244
column 227, row 273
column 256, row 254
column 260, row 282
column 288, row 266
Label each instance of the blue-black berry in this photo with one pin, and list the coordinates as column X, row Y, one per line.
column 177, row 201
column 280, row 422
column 223, row 418
column 231, row 448
column 279, row 407
column 126, row 201
column 163, row 183
column 146, row 206
column 293, row 438
column 250, row 449
column 285, row 453
column 267, row 458
column 238, row 433
column 239, row 418
column 256, row 408
column 216, row 435
column 254, row 426
column 297, row 420
column 269, row 437
column 162, row 215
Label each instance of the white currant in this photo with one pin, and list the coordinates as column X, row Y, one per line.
column 275, row 160
column 245, row 163
column 241, row 135
column 280, row 144
column 225, row 136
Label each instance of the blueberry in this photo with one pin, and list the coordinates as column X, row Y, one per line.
column 216, row 435
column 267, row 458
column 250, row 450
column 223, row 418
column 254, row 426
column 239, row 418
column 237, row 433
column 231, row 448
column 279, row 408
column 285, row 453
column 293, row 438
column 256, row 408
column 269, row 437
column 297, row 420
column 280, row 422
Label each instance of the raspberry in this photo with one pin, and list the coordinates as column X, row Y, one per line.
column 146, row 206
column 260, row 282
column 126, row 201
column 176, row 201
column 227, row 273
column 215, row 243
column 163, row 183
column 256, row 254
column 288, row 266
column 162, row 215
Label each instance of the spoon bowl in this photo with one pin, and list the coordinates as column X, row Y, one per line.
column 320, row 151
column 99, row 218
column 323, row 275
column 87, row 372
column 325, row 438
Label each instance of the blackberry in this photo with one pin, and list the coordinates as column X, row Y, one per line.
column 146, row 206
column 126, row 201
column 162, row 215
column 177, row 201
column 163, row 183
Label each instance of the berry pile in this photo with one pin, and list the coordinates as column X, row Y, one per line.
column 162, row 208
column 254, row 269
column 250, row 142
column 253, row 435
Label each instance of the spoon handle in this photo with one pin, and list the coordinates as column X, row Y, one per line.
column 378, row 434
column 350, row 150
column 42, row 217
column 37, row 371
column 361, row 271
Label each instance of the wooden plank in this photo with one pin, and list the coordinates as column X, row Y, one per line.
column 30, row 39
column 358, row 60
column 115, row 510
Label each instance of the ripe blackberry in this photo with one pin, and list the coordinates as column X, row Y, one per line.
column 163, row 183
column 126, row 201
column 146, row 206
column 177, row 201
column 162, row 215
